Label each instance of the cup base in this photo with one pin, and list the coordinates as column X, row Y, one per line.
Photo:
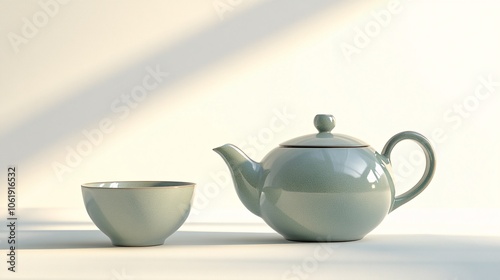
column 137, row 244
column 134, row 245
column 324, row 241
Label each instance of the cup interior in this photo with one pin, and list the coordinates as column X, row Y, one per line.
column 137, row 184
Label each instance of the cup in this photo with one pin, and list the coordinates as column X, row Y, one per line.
column 138, row 213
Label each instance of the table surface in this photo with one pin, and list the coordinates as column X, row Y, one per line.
column 250, row 251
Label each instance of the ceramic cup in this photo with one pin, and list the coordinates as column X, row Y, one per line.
column 138, row 213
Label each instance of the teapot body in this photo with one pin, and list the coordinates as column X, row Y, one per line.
column 325, row 194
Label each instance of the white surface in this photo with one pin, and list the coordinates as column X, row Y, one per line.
column 252, row 251
column 444, row 244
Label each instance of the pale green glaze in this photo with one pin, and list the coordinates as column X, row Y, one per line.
column 141, row 213
column 312, row 189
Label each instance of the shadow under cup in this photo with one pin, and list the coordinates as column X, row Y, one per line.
column 138, row 213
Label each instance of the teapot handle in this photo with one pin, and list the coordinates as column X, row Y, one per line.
column 430, row 164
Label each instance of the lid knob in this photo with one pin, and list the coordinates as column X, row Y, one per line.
column 324, row 123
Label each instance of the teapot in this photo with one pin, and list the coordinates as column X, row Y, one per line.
column 324, row 186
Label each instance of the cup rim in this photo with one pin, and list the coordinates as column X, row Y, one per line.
column 159, row 185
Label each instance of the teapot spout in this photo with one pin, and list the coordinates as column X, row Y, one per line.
column 247, row 176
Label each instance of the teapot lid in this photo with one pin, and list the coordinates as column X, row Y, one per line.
column 324, row 138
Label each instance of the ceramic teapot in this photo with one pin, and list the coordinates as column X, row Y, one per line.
column 323, row 186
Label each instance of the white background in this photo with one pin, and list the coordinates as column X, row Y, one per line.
column 232, row 66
